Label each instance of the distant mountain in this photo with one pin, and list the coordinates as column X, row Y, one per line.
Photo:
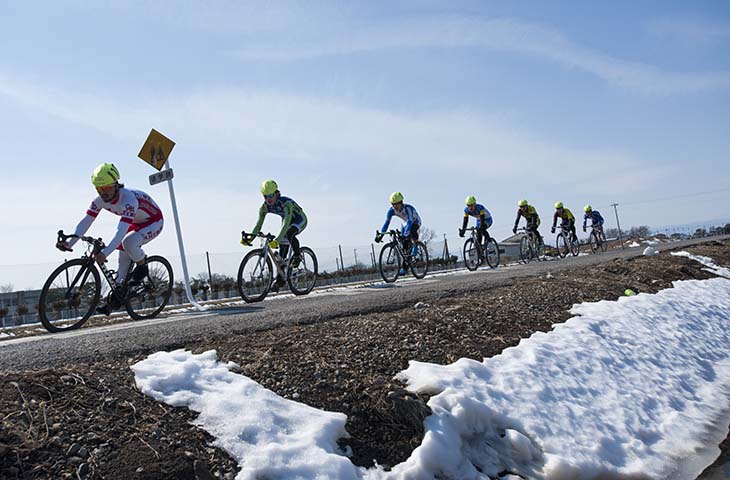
column 691, row 227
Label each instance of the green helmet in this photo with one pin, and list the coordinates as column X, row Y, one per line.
column 396, row 197
column 522, row 203
column 269, row 187
column 558, row 205
column 105, row 174
column 471, row 200
column 587, row 208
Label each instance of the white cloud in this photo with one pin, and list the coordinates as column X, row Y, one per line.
column 498, row 34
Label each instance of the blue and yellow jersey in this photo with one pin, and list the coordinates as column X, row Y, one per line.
column 407, row 213
column 480, row 212
column 566, row 216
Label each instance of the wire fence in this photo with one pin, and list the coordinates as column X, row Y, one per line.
column 213, row 275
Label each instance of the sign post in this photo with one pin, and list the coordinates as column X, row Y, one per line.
column 156, row 151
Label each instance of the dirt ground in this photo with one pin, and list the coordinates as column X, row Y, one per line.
column 89, row 421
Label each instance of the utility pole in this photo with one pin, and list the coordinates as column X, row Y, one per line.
column 620, row 238
column 355, row 252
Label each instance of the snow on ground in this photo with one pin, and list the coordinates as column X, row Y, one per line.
column 634, row 388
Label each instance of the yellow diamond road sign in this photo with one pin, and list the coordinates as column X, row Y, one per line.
column 156, row 149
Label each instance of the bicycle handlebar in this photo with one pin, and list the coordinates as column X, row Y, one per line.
column 250, row 236
column 98, row 243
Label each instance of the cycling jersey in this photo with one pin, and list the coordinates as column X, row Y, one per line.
column 595, row 217
column 288, row 210
column 480, row 213
column 530, row 215
column 136, row 208
column 567, row 216
column 407, row 213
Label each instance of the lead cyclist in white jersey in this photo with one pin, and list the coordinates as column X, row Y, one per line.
column 139, row 214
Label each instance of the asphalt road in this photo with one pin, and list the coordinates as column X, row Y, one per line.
column 181, row 330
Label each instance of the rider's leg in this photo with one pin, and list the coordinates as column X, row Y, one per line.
column 572, row 230
column 132, row 244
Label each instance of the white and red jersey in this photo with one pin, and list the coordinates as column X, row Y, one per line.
column 136, row 209
column 134, row 206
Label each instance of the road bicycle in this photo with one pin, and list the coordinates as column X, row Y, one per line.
column 72, row 292
column 565, row 242
column 394, row 260
column 530, row 246
column 475, row 254
column 256, row 274
column 597, row 239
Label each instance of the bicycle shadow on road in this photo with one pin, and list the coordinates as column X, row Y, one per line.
column 237, row 310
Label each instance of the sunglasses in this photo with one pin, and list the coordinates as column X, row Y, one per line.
column 105, row 188
column 271, row 195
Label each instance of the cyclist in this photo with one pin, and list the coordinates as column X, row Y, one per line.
column 595, row 216
column 139, row 215
column 484, row 218
column 531, row 217
column 567, row 217
column 294, row 221
column 406, row 213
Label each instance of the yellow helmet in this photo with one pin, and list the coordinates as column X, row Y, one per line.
column 471, row 200
column 558, row 205
column 522, row 203
column 105, row 174
column 268, row 187
column 396, row 197
column 587, row 208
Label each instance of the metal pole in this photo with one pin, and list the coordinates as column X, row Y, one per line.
column 184, row 262
column 620, row 238
column 210, row 276
column 341, row 261
column 354, row 251
column 372, row 249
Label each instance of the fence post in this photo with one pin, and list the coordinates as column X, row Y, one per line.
column 342, row 262
column 210, row 276
column 372, row 249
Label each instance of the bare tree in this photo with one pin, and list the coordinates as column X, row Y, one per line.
column 426, row 235
column 6, row 288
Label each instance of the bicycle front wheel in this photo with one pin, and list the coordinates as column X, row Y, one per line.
column 255, row 276
column 471, row 255
column 562, row 245
column 525, row 250
column 575, row 247
column 419, row 260
column 602, row 242
column 302, row 278
column 147, row 299
column 69, row 296
column 390, row 262
column 538, row 249
column 492, row 252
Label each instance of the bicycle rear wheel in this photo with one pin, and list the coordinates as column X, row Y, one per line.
column 471, row 254
column 602, row 242
column 69, row 296
column 255, row 276
column 538, row 248
column 594, row 242
column 492, row 252
column 419, row 260
column 390, row 262
column 574, row 246
column 147, row 299
column 525, row 250
column 302, row 278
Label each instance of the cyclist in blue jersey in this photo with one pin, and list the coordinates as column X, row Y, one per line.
column 294, row 221
column 406, row 213
column 594, row 215
column 480, row 212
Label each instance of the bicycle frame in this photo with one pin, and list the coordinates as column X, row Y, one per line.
column 279, row 262
column 397, row 238
column 95, row 245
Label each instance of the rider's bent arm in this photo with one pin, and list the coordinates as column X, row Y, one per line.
column 555, row 218
column 288, row 215
column 465, row 222
column 85, row 222
column 260, row 222
column 517, row 220
column 122, row 228
column 388, row 217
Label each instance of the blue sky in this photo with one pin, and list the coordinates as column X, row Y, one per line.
column 344, row 102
